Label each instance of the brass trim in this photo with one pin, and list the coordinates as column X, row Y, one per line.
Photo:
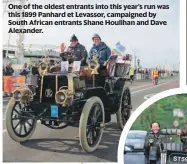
column 56, row 83
column 71, row 89
column 65, row 99
column 95, row 70
column 69, row 93
column 41, row 89
column 43, row 72
column 25, row 94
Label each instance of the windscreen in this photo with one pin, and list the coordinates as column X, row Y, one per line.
column 136, row 135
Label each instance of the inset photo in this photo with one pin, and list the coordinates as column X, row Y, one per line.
column 159, row 134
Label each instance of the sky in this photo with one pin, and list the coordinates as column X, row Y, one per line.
column 154, row 45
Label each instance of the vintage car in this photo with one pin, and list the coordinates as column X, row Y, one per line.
column 60, row 99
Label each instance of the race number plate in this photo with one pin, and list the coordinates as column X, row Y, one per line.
column 54, row 111
column 176, row 157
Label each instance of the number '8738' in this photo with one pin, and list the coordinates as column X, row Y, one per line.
column 29, row 14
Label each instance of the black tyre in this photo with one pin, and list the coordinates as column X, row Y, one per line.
column 91, row 125
column 23, row 129
column 124, row 111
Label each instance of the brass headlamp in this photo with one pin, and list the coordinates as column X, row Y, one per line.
column 43, row 68
column 65, row 94
column 94, row 65
column 61, row 96
column 22, row 94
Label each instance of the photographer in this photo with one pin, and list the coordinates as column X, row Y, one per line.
column 154, row 134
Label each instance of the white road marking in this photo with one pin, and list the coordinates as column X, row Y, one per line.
column 152, row 87
column 149, row 96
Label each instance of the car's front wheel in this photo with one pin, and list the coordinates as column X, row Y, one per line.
column 19, row 123
column 91, row 124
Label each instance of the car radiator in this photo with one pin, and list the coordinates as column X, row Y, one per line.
column 48, row 86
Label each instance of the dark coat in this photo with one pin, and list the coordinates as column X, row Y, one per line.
column 184, row 141
column 158, row 138
column 79, row 51
column 35, row 71
column 24, row 72
column 9, row 71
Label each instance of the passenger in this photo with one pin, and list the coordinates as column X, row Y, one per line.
column 99, row 49
column 103, row 52
column 76, row 49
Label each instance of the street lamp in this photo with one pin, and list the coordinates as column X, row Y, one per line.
column 138, row 62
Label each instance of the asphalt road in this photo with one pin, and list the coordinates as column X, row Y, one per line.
column 47, row 145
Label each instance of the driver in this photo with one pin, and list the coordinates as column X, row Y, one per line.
column 75, row 49
column 154, row 134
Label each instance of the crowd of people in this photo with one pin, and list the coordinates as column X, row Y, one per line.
column 99, row 49
column 25, row 70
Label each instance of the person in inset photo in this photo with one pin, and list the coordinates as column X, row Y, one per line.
column 159, row 131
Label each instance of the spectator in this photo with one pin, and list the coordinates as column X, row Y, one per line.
column 4, row 70
column 35, row 69
column 24, row 71
column 9, row 69
column 131, row 74
column 102, row 52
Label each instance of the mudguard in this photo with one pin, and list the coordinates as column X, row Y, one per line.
column 99, row 92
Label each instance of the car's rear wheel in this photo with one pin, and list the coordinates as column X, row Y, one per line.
column 91, row 124
column 124, row 110
column 19, row 123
